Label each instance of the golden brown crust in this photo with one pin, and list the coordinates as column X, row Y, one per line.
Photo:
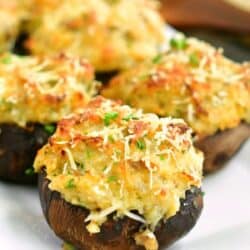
column 98, row 30
column 36, row 91
column 52, row 86
column 115, row 160
column 193, row 81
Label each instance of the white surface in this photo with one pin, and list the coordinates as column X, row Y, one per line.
column 224, row 224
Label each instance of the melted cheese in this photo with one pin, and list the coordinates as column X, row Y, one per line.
column 43, row 89
column 196, row 83
column 98, row 30
column 115, row 159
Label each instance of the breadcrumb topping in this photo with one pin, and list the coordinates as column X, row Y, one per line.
column 193, row 81
column 43, row 89
column 112, row 159
column 99, row 30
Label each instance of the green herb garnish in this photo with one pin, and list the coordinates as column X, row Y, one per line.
column 112, row 178
column 88, row 153
column 29, row 171
column 110, row 117
column 157, row 59
column 6, row 60
column 130, row 117
column 50, row 129
column 162, row 158
column 140, row 144
column 143, row 77
column 113, row 1
column 178, row 43
column 118, row 152
column 111, row 139
column 194, row 60
column 67, row 246
column 70, row 184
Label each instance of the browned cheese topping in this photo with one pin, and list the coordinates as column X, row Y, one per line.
column 112, row 158
column 193, row 81
column 43, row 89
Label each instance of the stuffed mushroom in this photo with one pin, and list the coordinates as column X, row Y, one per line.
column 35, row 92
column 193, row 81
column 113, row 177
column 112, row 35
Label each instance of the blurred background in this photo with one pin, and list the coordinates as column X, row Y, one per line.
column 224, row 23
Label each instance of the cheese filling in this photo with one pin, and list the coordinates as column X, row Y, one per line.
column 43, row 89
column 113, row 159
column 193, row 81
column 98, row 30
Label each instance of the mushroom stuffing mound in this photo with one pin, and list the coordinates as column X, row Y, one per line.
column 193, row 81
column 35, row 92
column 113, row 177
column 98, row 30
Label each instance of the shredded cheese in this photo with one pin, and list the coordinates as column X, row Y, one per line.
column 135, row 217
column 142, row 168
column 98, row 30
column 99, row 216
column 43, row 89
column 199, row 93
column 71, row 159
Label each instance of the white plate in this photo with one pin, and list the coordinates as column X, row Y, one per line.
column 224, row 224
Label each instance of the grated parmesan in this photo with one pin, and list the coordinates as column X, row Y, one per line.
column 98, row 30
column 43, row 89
column 122, row 176
column 199, row 94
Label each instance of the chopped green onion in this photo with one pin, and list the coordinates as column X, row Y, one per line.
column 30, row 171
column 194, row 60
column 130, row 117
column 178, row 43
column 157, row 59
column 143, row 77
column 6, row 60
column 111, row 138
column 50, row 129
column 112, row 178
column 67, row 246
column 113, row 1
column 162, row 158
column 140, row 144
column 118, row 152
column 70, row 184
column 88, row 153
column 109, row 117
